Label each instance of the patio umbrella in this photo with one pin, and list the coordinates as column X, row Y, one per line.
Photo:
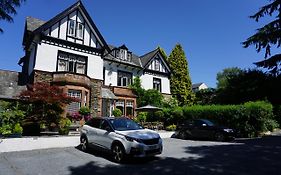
column 148, row 108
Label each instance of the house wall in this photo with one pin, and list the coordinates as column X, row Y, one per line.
column 111, row 72
column 59, row 30
column 46, row 60
column 147, row 82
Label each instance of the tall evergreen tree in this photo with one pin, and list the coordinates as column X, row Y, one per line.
column 7, row 8
column 267, row 36
column 181, row 87
column 162, row 51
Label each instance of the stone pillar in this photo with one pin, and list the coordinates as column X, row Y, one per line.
column 96, row 100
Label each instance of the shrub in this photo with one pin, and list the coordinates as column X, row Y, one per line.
column 249, row 119
column 17, row 129
column 171, row 127
column 84, row 110
column 141, row 117
column 64, row 125
column 117, row 112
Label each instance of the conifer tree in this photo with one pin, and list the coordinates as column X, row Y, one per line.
column 181, row 87
column 267, row 36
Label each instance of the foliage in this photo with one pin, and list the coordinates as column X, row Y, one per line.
column 267, row 36
column 141, row 117
column 180, row 82
column 249, row 119
column 17, row 129
column 117, row 112
column 226, row 74
column 10, row 118
column 205, row 96
column 84, row 110
column 250, row 85
column 146, row 97
column 138, row 90
column 170, row 102
column 152, row 97
column 171, row 127
column 75, row 116
column 47, row 103
column 163, row 53
column 64, row 125
column 7, row 8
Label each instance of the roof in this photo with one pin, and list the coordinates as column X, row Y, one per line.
column 9, row 86
column 33, row 23
column 135, row 59
column 107, row 94
column 147, row 57
column 196, row 85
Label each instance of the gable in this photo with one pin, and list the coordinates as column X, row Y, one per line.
column 74, row 25
column 157, row 64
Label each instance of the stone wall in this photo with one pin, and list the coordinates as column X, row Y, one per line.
column 96, row 100
column 41, row 76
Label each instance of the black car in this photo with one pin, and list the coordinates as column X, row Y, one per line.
column 203, row 129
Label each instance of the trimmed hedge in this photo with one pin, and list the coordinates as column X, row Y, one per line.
column 249, row 119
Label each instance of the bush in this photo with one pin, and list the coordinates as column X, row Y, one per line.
column 250, row 119
column 117, row 112
column 141, row 117
column 17, row 129
column 64, row 125
column 171, row 127
column 84, row 110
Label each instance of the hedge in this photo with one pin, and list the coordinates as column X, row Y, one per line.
column 250, row 119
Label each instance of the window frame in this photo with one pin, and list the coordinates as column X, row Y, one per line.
column 129, row 78
column 72, row 62
column 69, row 28
column 160, row 84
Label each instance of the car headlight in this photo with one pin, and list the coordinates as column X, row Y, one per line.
column 228, row 130
column 131, row 139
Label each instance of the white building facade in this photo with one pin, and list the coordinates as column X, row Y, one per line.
column 69, row 51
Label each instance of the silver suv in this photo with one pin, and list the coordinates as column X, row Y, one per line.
column 121, row 136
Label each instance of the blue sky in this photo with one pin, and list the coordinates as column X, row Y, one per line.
column 210, row 31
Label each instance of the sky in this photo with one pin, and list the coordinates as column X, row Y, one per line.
column 210, row 31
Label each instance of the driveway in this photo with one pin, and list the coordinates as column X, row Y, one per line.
column 253, row 156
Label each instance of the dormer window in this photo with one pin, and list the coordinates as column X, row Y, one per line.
column 123, row 54
column 75, row 29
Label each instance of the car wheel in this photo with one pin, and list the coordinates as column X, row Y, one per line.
column 118, row 153
column 182, row 135
column 219, row 137
column 84, row 143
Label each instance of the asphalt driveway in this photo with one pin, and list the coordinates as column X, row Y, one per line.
column 253, row 156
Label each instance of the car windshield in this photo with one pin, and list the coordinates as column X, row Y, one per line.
column 124, row 124
column 208, row 122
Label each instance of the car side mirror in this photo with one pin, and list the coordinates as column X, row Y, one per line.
column 108, row 129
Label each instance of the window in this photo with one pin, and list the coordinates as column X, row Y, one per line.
column 157, row 65
column 75, row 29
column 124, row 78
column 74, row 106
column 157, row 84
column 129, row 108
column 71, row 27
column 123, row 54
column 68, row 62
column 95, row 122
column 120, row 105
column 80, row 29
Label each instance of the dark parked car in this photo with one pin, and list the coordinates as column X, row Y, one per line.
column 203, row 129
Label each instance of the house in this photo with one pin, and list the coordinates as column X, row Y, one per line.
column 199, row 86
column 69, row 51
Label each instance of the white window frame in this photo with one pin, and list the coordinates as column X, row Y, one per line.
column 71, row 32
column 80, row 32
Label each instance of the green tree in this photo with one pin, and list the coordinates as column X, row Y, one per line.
column 152, row 97
column 181, row 87
column 225, row 75
column 162, row 51
column 267, row 36
column 7, row 9
column 138, row 90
